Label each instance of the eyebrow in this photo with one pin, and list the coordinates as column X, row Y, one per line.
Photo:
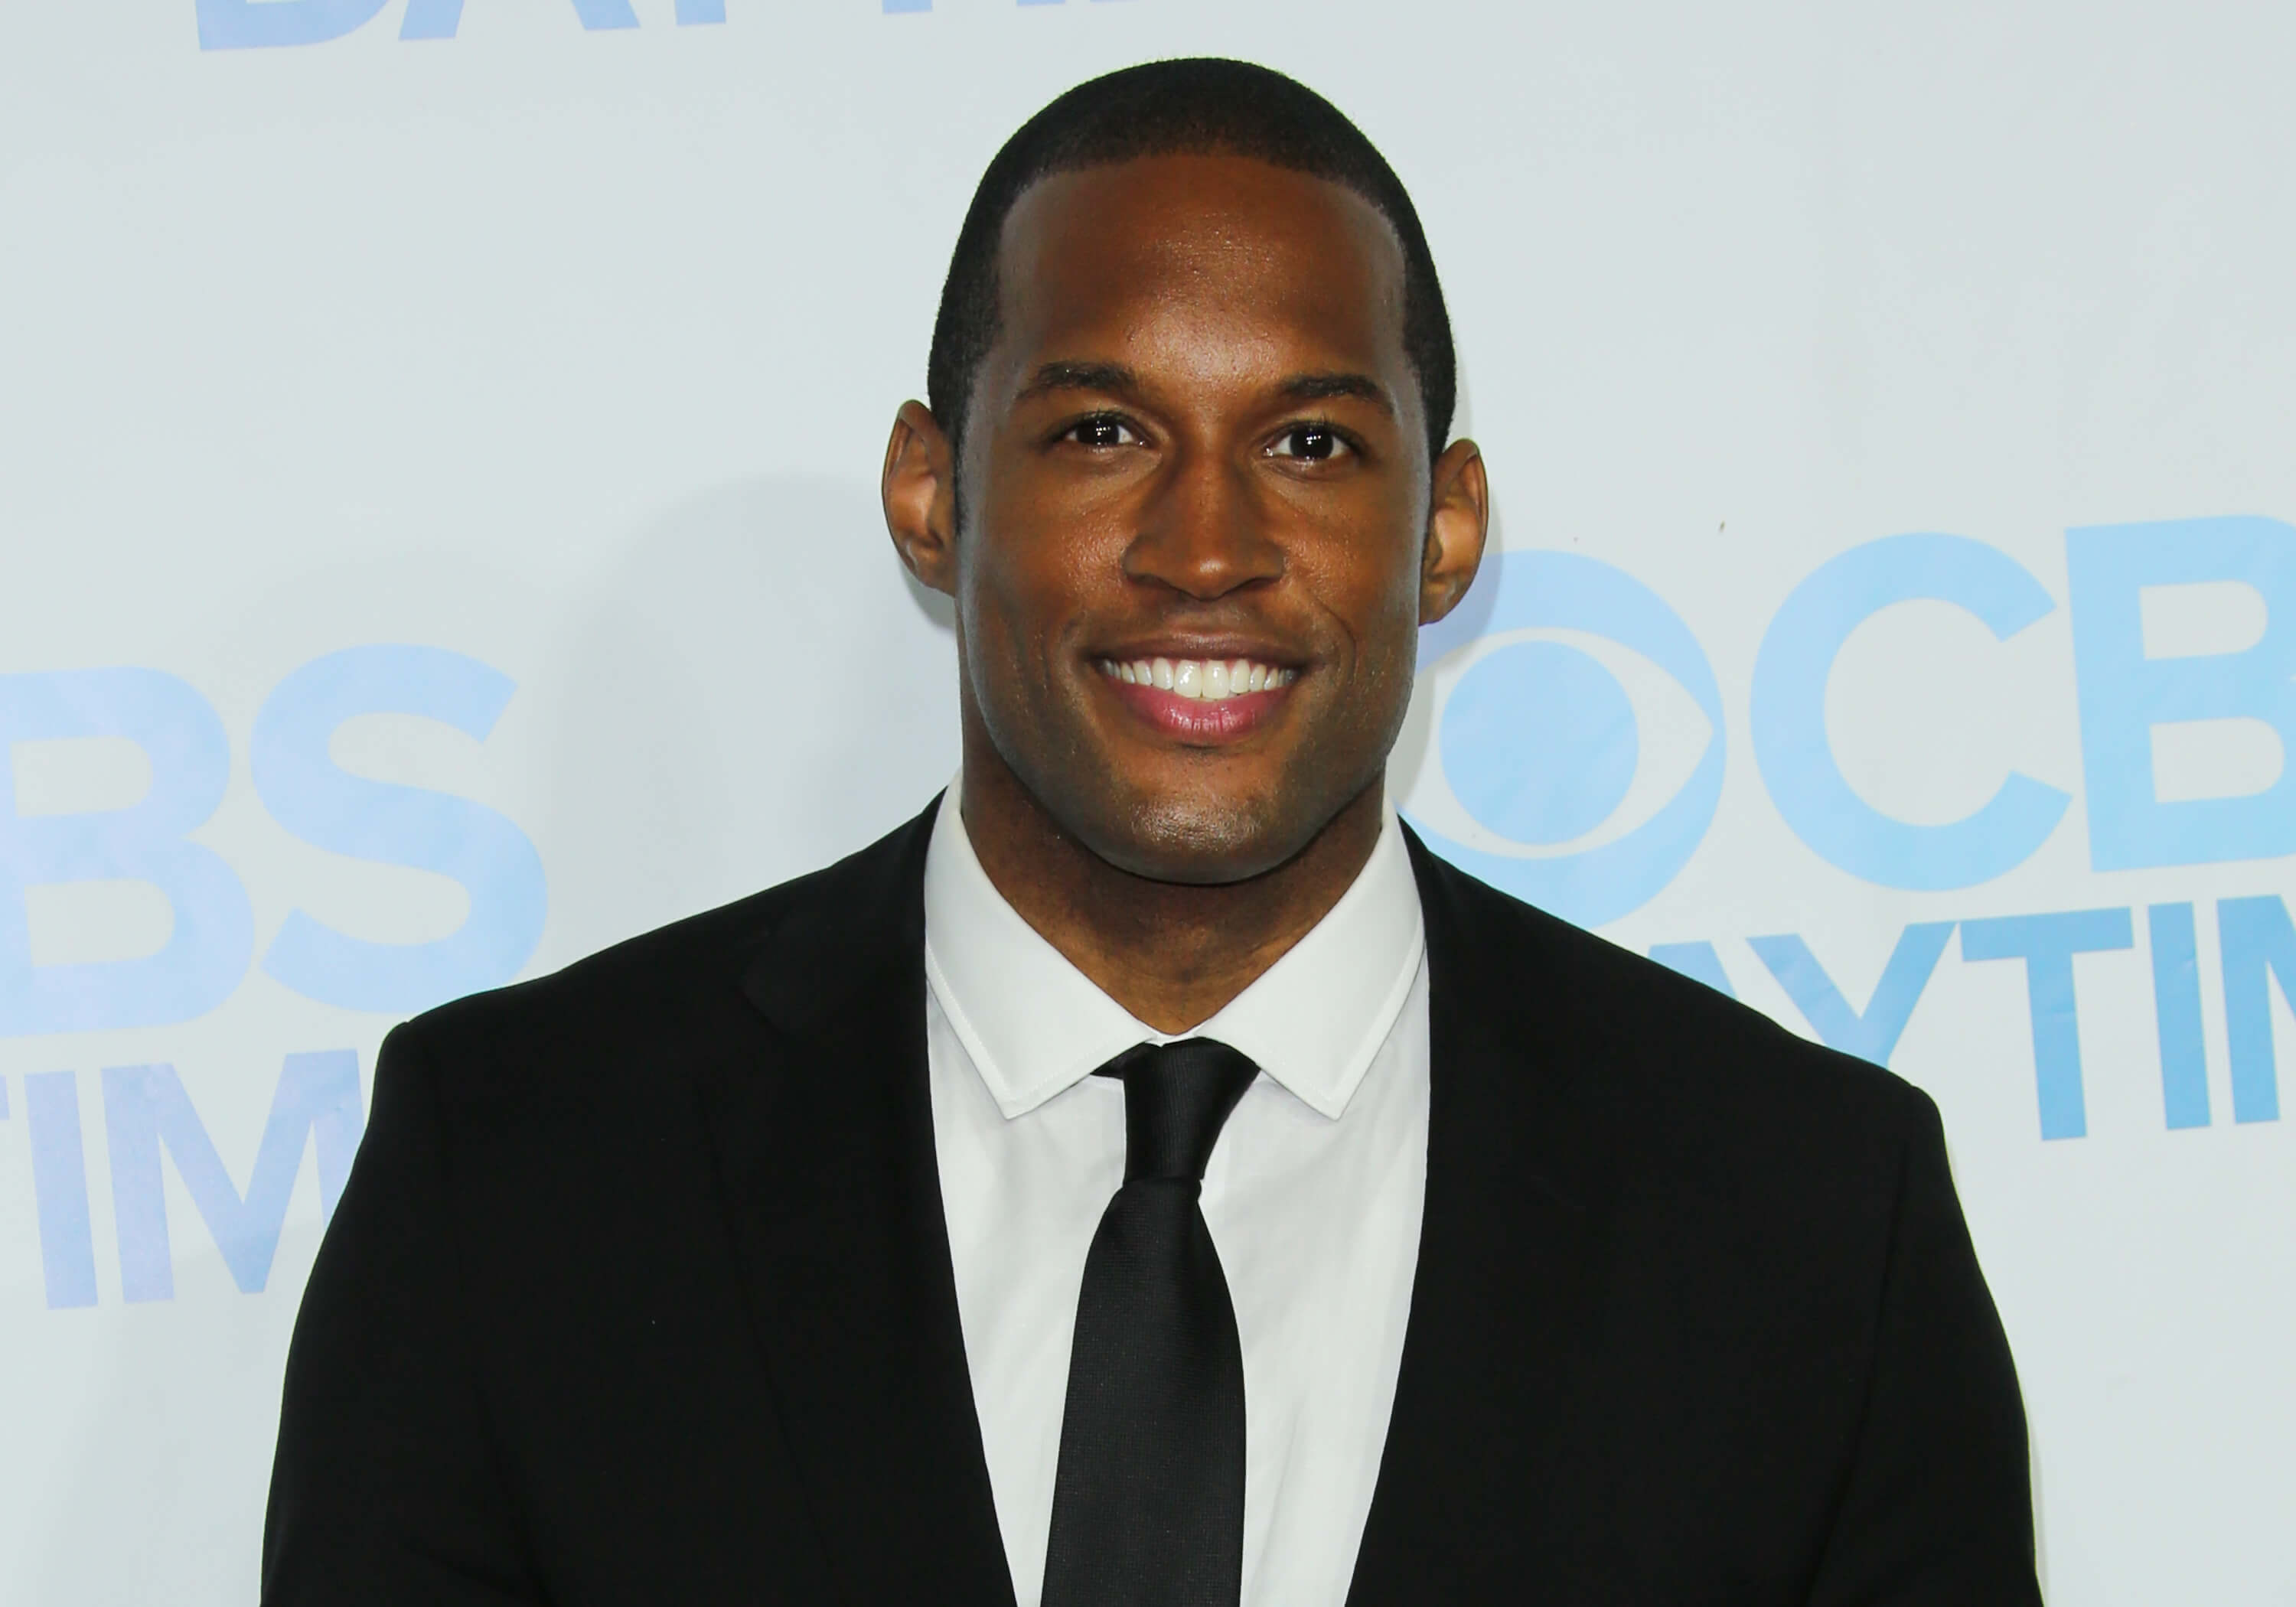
column 1110, row 377
column 1116, row 378
column 1323, row 387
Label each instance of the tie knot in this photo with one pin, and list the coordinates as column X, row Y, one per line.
column 1176, row 1098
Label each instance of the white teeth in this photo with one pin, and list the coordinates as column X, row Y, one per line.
column 1206, row 680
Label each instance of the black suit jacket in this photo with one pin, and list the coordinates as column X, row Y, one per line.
column 640, row 1292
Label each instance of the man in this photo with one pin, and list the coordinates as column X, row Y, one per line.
column 1410, row 1247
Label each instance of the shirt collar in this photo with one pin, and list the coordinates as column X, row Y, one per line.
column 1035, row 1025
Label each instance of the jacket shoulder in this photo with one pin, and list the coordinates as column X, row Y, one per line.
column 662, row 992
column 1670, row 1050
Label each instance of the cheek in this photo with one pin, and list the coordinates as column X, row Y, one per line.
column 1019, row 596
column 1369, row 583
column 1376, row 603
column 1032, row 567
column 993, row 571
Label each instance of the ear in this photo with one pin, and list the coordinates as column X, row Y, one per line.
column 919, row 488
column 1458, row 522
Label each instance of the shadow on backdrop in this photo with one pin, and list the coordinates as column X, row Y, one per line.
column 755, row 688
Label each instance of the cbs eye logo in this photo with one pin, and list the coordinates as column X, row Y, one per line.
column 1572, row 738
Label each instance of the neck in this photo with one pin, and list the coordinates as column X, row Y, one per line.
column 1170, row 952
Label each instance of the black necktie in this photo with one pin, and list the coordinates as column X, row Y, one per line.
column 1148, row 1503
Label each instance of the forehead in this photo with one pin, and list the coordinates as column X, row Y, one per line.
column 1201, row 256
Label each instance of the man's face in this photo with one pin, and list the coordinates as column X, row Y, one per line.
column 1195, row 550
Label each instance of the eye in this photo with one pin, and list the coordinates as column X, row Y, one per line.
column 1311, row 443
column 1102, row 432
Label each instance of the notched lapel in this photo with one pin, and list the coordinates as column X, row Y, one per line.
column 1473, row 1490
column 827, row 1165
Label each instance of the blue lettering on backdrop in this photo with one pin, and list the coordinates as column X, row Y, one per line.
column 1796, row 759
column 212, row 937
column 261, row 24
column 2258, row 941
column 145, row 1109
column 2124, row 695
column 2256, row 937
column 308, row 793
column 207, row 950
column 430, row 19
column 248, row 24
column 60, row 1188
column 2176, row 1016
column 441, row 19
column 255, row 24
column 1540, row 743
column 2048, row 945
column 1871, row 1034
column 1534, row 698
column 1696, row 961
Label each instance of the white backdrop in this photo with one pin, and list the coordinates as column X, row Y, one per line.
column 436, row 500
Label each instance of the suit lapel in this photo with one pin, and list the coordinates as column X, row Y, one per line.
column 1473, row 1479
column 827, row 1165
column 826, row 1160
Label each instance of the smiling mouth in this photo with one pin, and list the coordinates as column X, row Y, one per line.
column 1200, row 702
column 1205, row 680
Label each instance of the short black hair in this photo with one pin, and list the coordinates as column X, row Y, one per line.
column 1200, row 105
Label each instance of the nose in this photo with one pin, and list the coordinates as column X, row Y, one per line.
column 1203, row 532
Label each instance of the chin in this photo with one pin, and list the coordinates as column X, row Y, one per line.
column 1203, row 842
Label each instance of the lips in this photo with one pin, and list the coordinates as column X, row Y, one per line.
column 1199, row 702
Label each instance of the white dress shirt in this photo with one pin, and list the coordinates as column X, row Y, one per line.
column 1313, row 1197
